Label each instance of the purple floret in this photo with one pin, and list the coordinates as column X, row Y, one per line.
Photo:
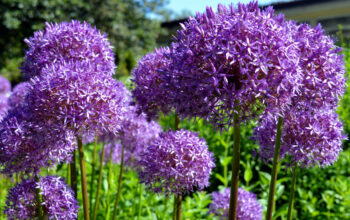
column 176, row 163
column 26, row 144
column 5, row 86
column 151, row 92
column 18, row 95
column 136, row 134
column 58, row 198
column 310, row 138
column 248, row 207
column 241, row 58
column 67, row 41
column 78, row 96
column 322, row 67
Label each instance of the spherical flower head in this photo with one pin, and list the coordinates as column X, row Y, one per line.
column 4, row 106
column 5, row 86
column 151, row 92
column 18, row 95
column 322, row 65
column 67, row 41
column 309, row 137
column 248, row 207
column 241, row 58
column 113, row 152
column 78, row 97
column 177, row 162
column 27, row 144
column 136, row 134
column 59, row 201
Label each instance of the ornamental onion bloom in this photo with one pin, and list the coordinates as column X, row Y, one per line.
column 136, row 134
column 113, row 151
column 309, row 137
column 177, row 162
column 151, row 93
column 18, row 95
column 5, row 86
column 78, row 96
column 27, row 144
column 59, row 201
column 3, row 106
column 322, row 67
column 248, row 208
column 67, row 41
column 241, row 58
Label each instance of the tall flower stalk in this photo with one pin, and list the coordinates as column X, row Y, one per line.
column 99, row 182
column 94, row 158
column 271, row 198
column 83, row 178
column 292, row 192
column 39, row 199
column 115, row 212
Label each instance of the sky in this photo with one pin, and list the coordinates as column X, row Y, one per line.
column 199, row 5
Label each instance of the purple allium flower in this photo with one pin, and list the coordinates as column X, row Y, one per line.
column 248, row 208
column 309, row 137
column 136, row 134
column 67, row 41
column 3, row 106
column 113, row 151
column 177, row 162
column 322, row 68
column 244, row 58
column 58, row 199
column 5, row 86
column 27, row 144
column 150, row 91
column 18, row 95
column 79, row 97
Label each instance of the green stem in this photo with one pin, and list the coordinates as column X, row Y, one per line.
column 274, row 169
column 99, row 183
column 93, row 164
column 83, row 178
column 235, row 165
column 174, row 212
column 292, row 192
column 140, row 203
column 109, row 176
column 119, row 185
column 178, row 207
column 73, row 175
column 39, row 200
column 68, row 175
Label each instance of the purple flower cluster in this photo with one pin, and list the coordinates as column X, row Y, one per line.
column 323, row 73
column 241, row 58
column 26, row 145
column 177, row 162
column 310, row 138
column 5, row 90
column 59, row 201
column 67, row 41
column 113, row 151
column 77, row 96
column 18, row 95
column 248, row 208
column 5, row 86
column 136, row 134
column 151, row 92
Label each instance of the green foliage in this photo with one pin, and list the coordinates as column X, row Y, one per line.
column 127, row 22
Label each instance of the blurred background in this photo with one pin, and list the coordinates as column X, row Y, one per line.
column 136, row 27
